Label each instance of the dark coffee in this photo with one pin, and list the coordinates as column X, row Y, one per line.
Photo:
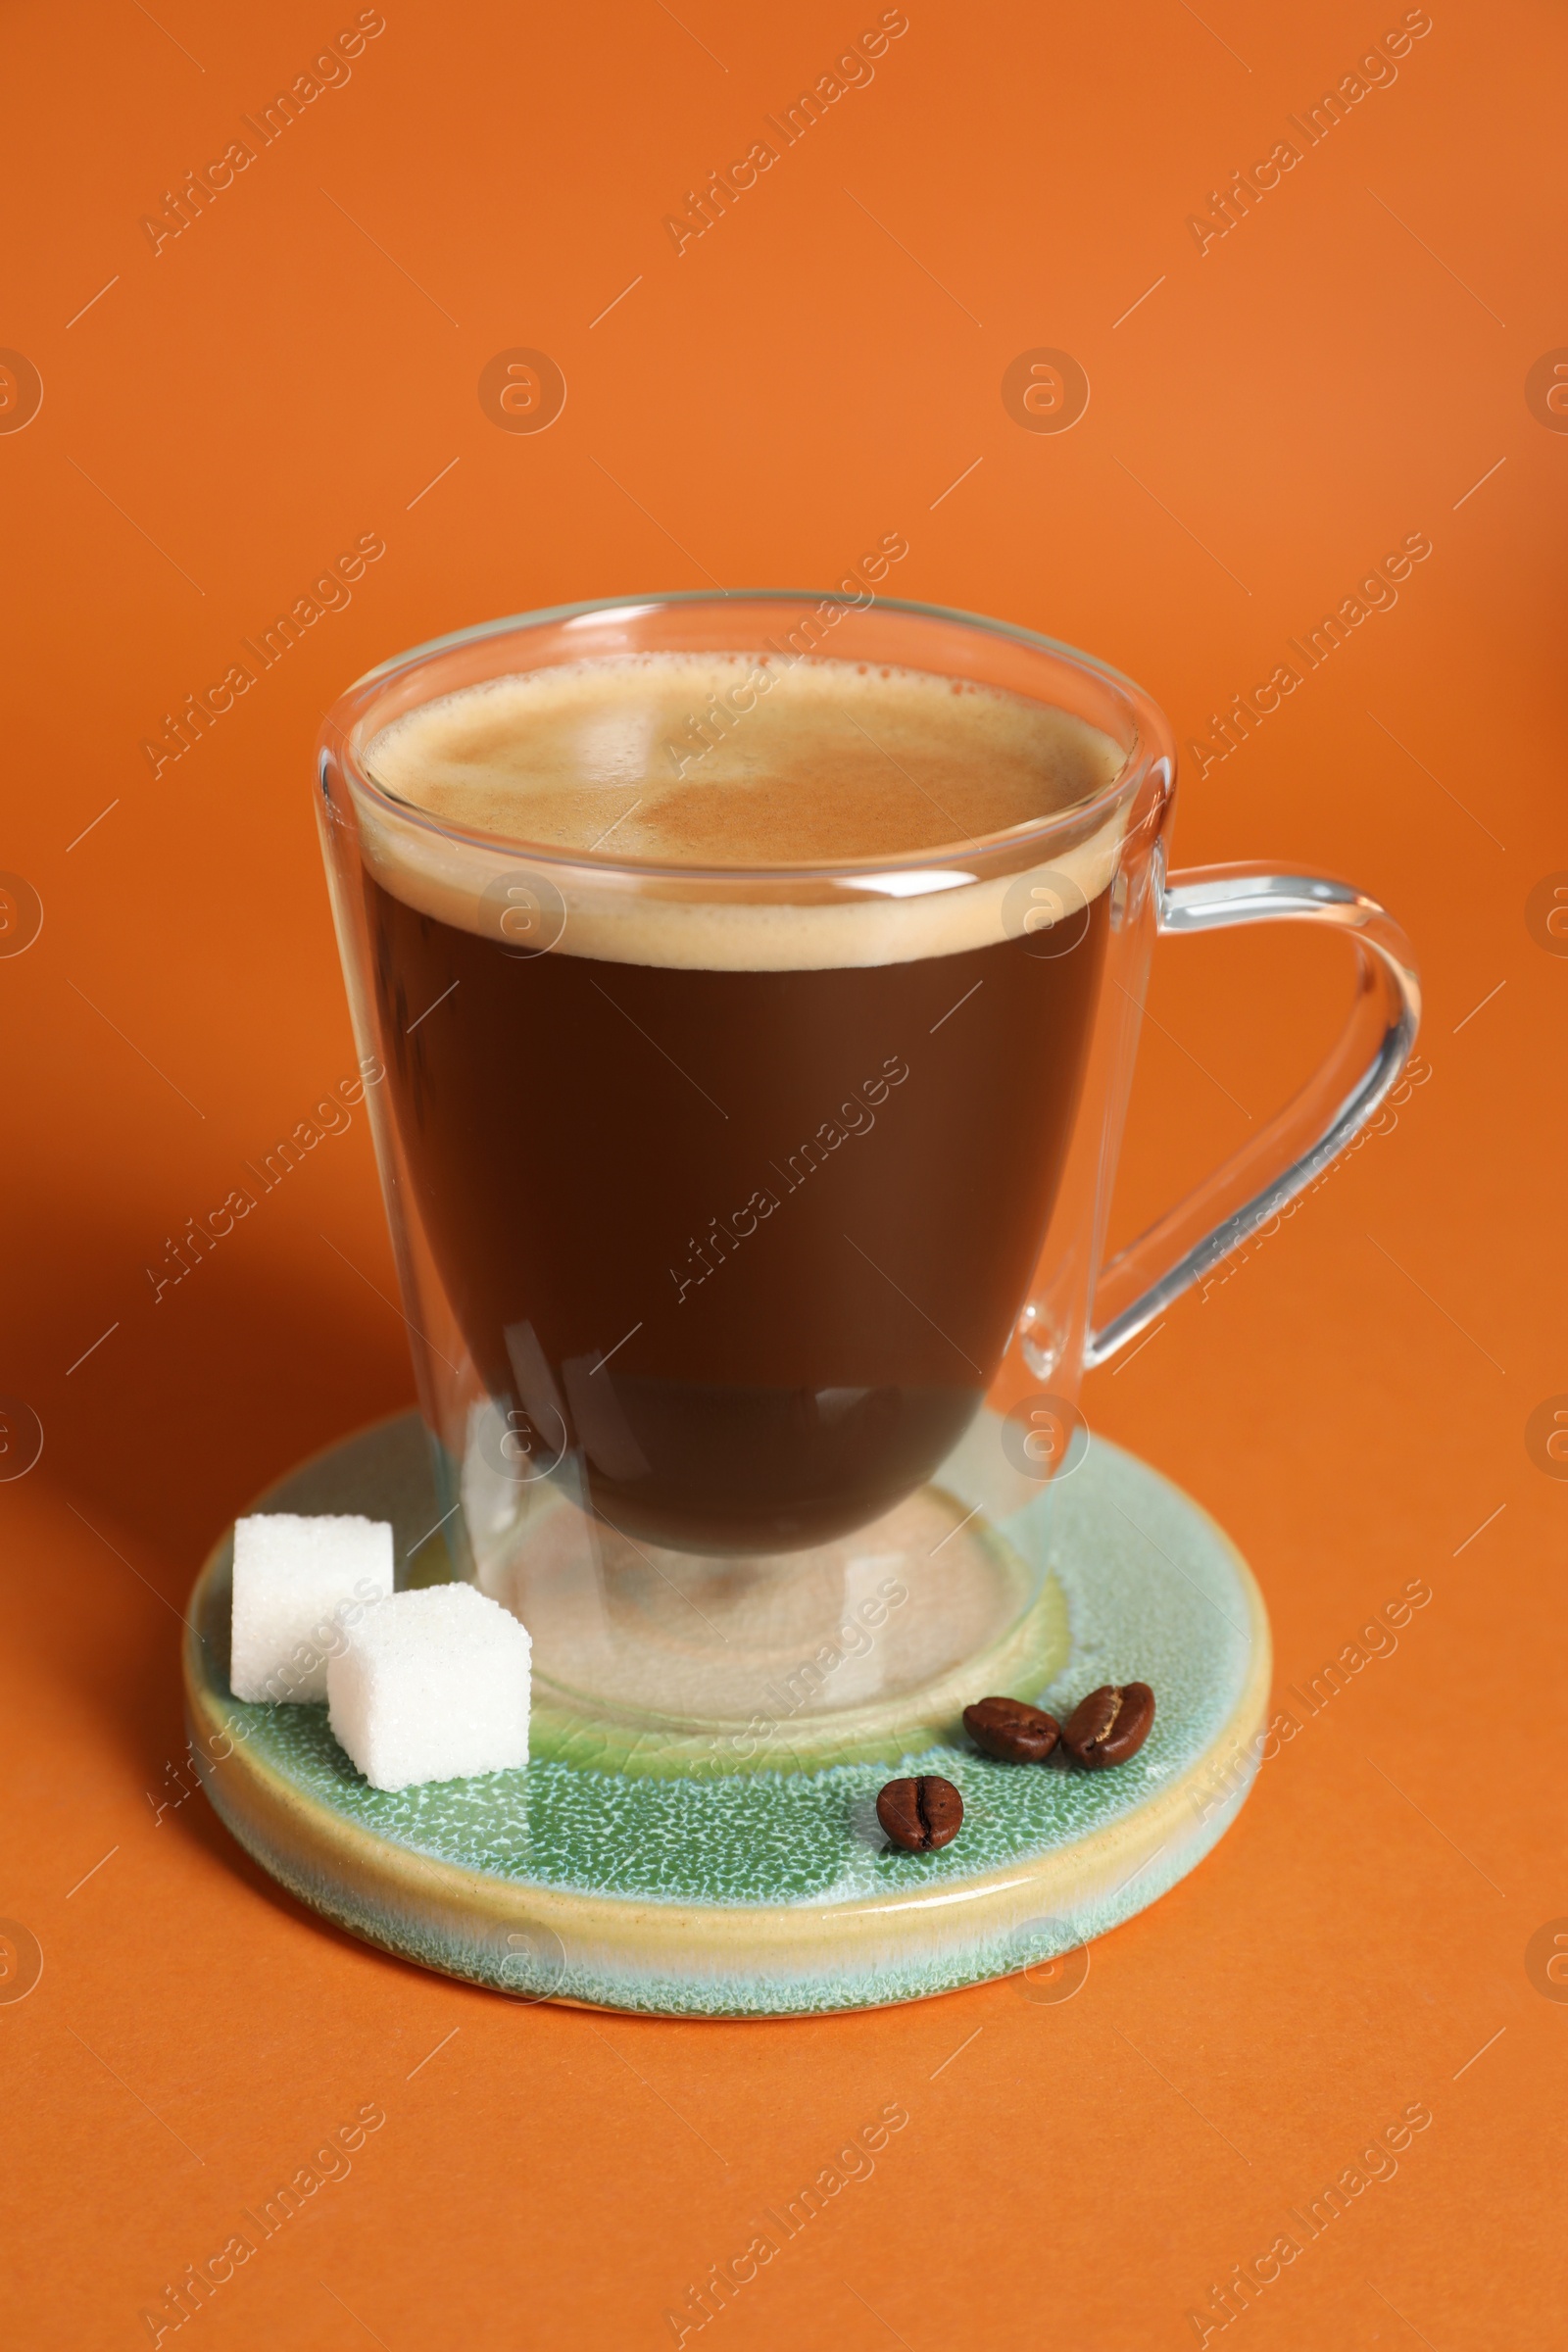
column 753, row 1241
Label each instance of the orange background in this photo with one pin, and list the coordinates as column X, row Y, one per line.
column 292, row 371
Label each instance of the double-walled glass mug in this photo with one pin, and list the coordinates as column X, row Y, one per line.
column 722, row 1195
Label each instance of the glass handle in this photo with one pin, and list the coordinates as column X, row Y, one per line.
column 1141, row 1281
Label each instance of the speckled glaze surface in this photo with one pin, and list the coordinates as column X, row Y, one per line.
column 762, row 1893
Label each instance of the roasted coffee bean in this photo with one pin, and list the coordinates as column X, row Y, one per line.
column 920, row 1814
column 1009, row 1728
column 1109, row 1726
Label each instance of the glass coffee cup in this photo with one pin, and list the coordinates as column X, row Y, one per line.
column 736, row 1151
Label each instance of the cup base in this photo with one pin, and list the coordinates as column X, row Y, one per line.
column 681, row 1889
column 654, row 1661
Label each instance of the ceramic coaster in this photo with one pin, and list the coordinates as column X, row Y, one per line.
column 764, row 1892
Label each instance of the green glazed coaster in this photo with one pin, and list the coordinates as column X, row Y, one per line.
column 763, row 1894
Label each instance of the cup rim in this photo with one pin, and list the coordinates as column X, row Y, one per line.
column 1153, row 742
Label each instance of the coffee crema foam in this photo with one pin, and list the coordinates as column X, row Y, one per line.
column 663, row 762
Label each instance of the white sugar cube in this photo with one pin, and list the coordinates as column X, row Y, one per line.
column 299, row 1585
column 432, row 1686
